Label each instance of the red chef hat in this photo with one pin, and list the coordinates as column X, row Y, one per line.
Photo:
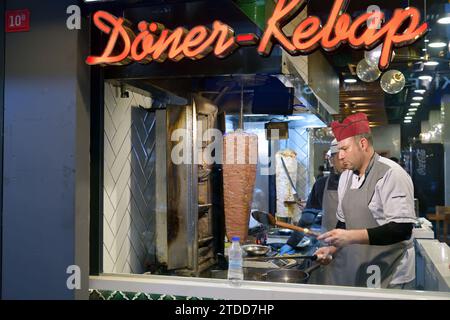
column 351, row 126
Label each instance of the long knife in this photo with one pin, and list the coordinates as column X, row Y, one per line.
column 313, row 258
column 290, row 180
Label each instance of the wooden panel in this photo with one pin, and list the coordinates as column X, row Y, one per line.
column 367, row 98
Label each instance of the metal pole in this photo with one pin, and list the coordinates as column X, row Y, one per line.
column 241, row 114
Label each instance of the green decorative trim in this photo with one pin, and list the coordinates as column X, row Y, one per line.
column 95, row 294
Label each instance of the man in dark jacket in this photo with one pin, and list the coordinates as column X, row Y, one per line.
column 323, row 197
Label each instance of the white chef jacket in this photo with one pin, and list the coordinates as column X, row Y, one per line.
column 393, row 201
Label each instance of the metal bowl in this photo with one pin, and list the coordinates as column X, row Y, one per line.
column 255, row 249
column 287, row 276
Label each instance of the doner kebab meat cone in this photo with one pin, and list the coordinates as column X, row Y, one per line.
column 240, row 154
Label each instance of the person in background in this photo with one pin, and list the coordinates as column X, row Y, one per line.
column 400, row 162
column 375, row 213
column 323, row 197
column 321, row 172
column 395, row 159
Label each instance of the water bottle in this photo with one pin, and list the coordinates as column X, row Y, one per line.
column 235, row 271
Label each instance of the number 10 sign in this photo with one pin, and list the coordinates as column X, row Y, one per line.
column 17, row 20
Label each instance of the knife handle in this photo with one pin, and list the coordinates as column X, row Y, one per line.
column 296, row 228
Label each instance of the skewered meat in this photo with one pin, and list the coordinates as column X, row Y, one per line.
column 240, row 152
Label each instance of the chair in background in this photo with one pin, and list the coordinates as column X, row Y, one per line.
column 441, row 217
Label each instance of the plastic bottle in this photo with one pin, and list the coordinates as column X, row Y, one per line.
column 235, row 271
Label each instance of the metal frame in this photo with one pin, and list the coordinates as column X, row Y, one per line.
column 247, row 62
column 180, row 227
column 250, row 290
column 161, row 194
column 192, row 191
column 2, row 112
column 97, row 163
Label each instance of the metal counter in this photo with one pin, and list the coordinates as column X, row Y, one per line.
column 249, row 290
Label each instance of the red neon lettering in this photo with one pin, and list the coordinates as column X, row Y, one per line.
column 155, row 42
column 411, row 34
column 342, row 28
column 138, row 44
column 344, row 31
column 225, row 42
column 193, row 39
column 353, row 40
column 305, row 30
column 117, row 29
column 245, row 38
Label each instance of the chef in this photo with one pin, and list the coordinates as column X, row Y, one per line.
column 323, row 197
column 375, row 213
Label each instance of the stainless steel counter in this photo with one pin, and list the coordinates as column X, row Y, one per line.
column 432, row 265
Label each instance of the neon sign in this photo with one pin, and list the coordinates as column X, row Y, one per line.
column 154, row 42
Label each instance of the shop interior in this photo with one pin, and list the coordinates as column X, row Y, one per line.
column 159, row 216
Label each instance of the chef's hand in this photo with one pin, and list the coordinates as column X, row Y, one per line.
column 341, row 237
column 287, row 249
column 325, row 254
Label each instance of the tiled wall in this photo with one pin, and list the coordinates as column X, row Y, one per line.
column 129, row 183
column 299, row 142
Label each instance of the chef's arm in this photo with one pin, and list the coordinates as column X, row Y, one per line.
column 343, row 237
column 390, row 233
column 358, row 236
column 386, row 234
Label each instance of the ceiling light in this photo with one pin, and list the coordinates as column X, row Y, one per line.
column 444, row 19
column 424, row 49
column 417, row 98
column 420, row 91
column 415, row 104
column 425, row 77
column 407, row 121
column 431, row 63
column 412, row 109
column 426, row 40
column 411, row 113
column 408, row 118
column 350, row 80
column 438, row 43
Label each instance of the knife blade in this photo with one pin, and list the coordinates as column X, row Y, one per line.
column 289, row 178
